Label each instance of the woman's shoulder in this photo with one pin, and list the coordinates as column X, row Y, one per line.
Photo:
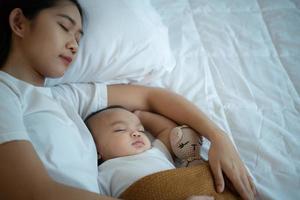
column 8, row 86
column 13, row 89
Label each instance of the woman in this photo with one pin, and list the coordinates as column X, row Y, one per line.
column 46, row 152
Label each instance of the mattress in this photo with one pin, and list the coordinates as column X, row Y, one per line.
column 238, row 61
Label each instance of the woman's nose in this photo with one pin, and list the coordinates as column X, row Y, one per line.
column 73, row 46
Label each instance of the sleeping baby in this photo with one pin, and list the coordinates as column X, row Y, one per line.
column 125, row 150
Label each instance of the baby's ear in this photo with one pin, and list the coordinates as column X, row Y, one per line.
column 176, row 135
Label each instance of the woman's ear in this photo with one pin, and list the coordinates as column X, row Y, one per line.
column 18, row 22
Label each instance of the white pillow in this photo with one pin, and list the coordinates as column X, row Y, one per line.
column 124, row 41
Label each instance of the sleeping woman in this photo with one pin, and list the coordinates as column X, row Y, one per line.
column 46, row 151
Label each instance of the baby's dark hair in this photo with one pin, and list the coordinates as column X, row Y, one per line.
column 100, row 161
column 30, row 9
column 104, row 109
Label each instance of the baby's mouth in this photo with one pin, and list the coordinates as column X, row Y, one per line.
column 138, row 143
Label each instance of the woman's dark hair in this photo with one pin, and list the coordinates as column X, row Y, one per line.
column 31, row 9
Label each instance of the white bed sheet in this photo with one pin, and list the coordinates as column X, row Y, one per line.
column 239, row 62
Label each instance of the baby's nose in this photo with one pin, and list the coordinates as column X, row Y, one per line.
column 135, row 134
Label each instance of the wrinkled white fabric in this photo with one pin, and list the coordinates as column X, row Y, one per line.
column 239, row 62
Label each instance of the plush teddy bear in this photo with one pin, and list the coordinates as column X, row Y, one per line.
column 186, row 144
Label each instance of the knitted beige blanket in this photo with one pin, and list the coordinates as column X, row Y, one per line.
column 176, row 184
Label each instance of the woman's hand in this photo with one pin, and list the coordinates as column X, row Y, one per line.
column 223, row 157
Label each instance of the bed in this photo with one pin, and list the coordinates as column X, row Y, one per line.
column 236, row 60
column 239, row 62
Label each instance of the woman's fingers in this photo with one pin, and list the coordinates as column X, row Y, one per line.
column 223, row 157
column 217, row 174
column 241, row 183
column 247, row 185
column 234, row 177
column 252, row 185
column 229, row 185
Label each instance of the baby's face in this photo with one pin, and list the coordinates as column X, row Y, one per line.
column 117, row 133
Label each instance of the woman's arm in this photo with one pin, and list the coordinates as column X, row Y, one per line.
column 222, row 155
column 159, row 126
column 164, row 102
column 23, row 176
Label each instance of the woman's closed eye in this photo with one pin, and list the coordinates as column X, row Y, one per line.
column 66, row 29
column 63, row 27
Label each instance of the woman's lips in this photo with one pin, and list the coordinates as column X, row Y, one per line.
column 66, row 59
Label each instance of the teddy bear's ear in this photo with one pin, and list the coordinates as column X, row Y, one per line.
column 176, row 135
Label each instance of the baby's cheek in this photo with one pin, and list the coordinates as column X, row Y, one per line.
column 148, row 143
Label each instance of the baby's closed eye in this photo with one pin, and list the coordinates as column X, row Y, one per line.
column 120, row 130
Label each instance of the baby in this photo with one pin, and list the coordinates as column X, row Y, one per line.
column 125, row 149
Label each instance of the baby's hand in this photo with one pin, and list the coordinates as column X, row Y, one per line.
column 137, row 112
column 200, row 198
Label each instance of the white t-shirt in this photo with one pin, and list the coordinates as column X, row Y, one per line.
column 51, row 119
column 116, row 175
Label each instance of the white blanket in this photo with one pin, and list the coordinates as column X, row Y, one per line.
column 239, row 62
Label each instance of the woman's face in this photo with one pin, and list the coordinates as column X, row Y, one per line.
column 51, row 40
